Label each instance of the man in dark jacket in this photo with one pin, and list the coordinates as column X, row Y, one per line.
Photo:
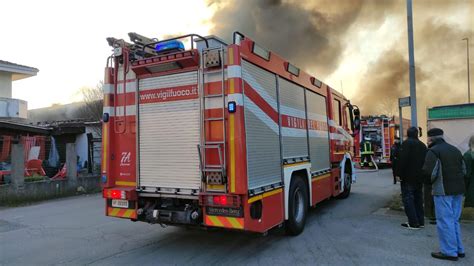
column 411, row 159
column 445, row 167
column 394, row 153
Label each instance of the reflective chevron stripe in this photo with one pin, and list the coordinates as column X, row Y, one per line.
column 227, row 222
column 122, row 213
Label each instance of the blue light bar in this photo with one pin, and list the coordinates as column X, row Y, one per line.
column 173, row 45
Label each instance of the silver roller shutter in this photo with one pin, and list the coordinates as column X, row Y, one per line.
column 263, row 141
column 318, row 131
column 168, row 137
column 292, row 103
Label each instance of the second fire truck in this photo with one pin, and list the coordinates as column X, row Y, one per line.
column 220, row 135
column 380, row 131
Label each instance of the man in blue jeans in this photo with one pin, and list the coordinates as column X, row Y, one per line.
column 445, row 168
column 409, row 171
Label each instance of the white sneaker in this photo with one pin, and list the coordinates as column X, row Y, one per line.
column 408, row 226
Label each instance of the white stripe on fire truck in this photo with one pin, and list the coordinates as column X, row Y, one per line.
column 293, row 132
column 130, row 109
column 318, row 134
column 213, row 103
column 262, row 92
column 109, row 88
column 292, row 111
column 260, row 114
column 130, row 74
column 317, row 117
column 238, row 98
column 214, row 76
column 234, row 71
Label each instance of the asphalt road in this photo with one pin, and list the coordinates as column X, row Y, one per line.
column 355, row 231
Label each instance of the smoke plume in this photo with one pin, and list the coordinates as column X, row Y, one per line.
column 313, row 35
column 309, row 34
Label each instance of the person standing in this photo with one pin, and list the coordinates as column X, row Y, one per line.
column 366, row 152
column 445, row 165
column 469, row 181
column 409, row 172
column 394, row 152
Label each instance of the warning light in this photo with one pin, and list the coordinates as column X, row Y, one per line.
column 169, row 46
column 231, row 106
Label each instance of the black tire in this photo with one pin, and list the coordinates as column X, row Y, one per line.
column 347, row 186
column 297, row 206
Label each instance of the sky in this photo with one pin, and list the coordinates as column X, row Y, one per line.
column 357, row 46
column 65, row 40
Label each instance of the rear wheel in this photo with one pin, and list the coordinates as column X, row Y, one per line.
column 297, row 206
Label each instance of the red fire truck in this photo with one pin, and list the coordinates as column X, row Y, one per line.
column 381, row 130
column 220, row 135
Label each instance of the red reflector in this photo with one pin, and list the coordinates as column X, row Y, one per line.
column 220, row 200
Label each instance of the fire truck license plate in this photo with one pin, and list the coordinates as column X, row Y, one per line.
column 233, row 212
column 119, row 203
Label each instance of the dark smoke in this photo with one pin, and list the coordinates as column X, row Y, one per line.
column 307, row 33
column 440, row 72
column 314, row 35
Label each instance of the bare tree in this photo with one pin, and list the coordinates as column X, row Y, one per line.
column 91, row 111
column 93, row 102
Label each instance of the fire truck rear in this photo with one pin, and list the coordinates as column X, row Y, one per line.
column 381, row 131
column 220, row 135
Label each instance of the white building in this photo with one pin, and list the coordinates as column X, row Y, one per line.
column 13, row 108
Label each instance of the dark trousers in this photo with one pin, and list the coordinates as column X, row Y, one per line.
column 412, row 197
column 429, row 204
column 394, row 169
column 366, row 159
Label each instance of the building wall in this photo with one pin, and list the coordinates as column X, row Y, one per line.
column 5, row 85
column 81, row 147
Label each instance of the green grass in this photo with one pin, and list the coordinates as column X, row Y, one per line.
column 396, row 204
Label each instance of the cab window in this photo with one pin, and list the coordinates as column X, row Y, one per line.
column 336, row 105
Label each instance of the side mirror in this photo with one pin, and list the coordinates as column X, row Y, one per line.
column 357, row 123
column 354, row 116
column 356, row 119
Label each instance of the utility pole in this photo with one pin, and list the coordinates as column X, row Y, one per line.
column 342, row 89
column 411, row 55
column 468, row 72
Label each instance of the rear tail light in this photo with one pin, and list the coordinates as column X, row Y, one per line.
column 114, row 194
column 221, row 200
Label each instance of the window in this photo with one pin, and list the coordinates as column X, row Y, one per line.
column 347, row 119
column 292, row 69
column 336, row 109
column 260, row 51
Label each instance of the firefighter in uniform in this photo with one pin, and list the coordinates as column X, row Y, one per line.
column 366, row 153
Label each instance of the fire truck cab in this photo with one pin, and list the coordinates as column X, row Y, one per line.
column 220, row 135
